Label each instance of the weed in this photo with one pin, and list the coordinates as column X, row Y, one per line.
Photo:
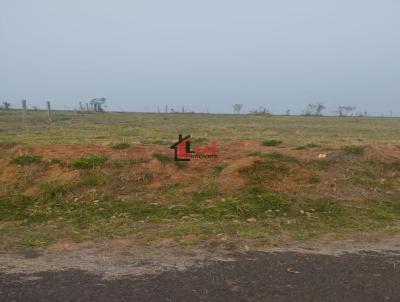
column 271, row 142
column 34, row 241
column 318, row 164
column 266, row 171
column 94, row 178
column 55, row 188
column 256, row 153
column 206, row 194
column 247, row 206
column 146, row 177
column 308, row 146
column 90, row 161
column 26, row 160
column 363, row 177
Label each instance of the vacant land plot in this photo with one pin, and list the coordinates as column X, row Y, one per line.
column 276, row 179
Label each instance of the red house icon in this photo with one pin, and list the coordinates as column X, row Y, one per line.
column 182, row 148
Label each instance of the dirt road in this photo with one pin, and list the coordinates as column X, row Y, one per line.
column 276, row 275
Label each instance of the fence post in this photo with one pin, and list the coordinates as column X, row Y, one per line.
column 23, row 111
column 48, row 111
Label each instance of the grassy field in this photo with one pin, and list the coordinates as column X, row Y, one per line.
column 71, row 128
column 112, row 175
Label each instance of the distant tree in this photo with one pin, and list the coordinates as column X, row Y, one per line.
column 345, row 110
column 288, row 112
column 6, row 105
column 97, row 104
column 310, row 109
column 237, row 108
column 260, row 111
column 319, row 107
column 315, row 109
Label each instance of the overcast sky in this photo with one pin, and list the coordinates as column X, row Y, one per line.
column 281, row 54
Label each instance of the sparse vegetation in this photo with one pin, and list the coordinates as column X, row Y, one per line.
column 270, row 171
column 292, row 194
column 356, row 150
column 271, row 142
column 94, row 178
column 54, row 188
column 308, row 146
column 241, row 216
column 90, row 161
column 26, row 160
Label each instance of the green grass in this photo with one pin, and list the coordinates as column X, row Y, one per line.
column 94, row 178
column 267, row 171
column 90, row 161
column 253, row 214
column 355, row 150
column 36, row 241
column 70, row 128
column 26, row 160
column 91, row 208
column 308, row 146
column 55, row 188
column 271, row 142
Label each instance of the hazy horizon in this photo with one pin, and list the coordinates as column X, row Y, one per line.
column 141, row 55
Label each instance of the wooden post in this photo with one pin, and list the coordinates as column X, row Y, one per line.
column 23, row 111
column 48, row 111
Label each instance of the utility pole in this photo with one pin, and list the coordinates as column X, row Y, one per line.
column 23, row 111
column 49, row 111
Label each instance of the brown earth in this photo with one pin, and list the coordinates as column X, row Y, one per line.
column 138, row 172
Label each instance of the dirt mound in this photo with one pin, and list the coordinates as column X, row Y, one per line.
column 135, row 172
